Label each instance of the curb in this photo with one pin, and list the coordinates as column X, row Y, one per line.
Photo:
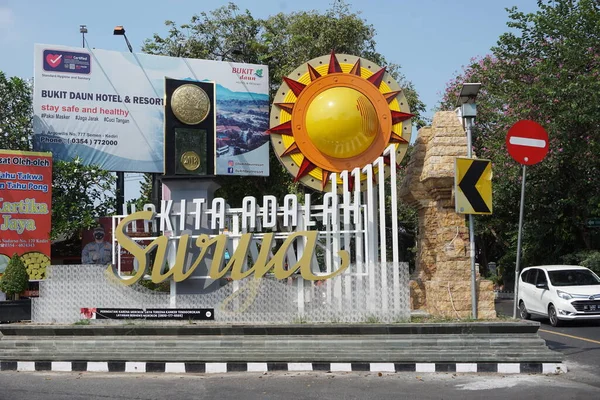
column 208, row 368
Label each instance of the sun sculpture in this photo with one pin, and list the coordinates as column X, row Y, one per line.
column 336, row 113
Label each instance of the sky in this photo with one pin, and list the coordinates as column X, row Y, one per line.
column 430, row 39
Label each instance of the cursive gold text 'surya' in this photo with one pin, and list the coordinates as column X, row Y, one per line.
column 235, row 265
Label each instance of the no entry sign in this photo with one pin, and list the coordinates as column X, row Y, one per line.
column 527, row 142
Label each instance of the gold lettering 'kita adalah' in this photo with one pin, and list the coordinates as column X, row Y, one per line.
column 190, row 104
column 190, row 160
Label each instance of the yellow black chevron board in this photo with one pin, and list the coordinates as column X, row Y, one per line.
column 473, row 186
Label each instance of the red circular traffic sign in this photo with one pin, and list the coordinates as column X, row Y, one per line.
column 527, row 142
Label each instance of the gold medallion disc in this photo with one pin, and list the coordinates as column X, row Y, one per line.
column 190, row 160
column 190, row 104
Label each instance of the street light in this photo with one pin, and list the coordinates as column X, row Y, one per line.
column 468, row 109
column 120, row 31
column 155, row 194
column 83, row 31
column 468, row 112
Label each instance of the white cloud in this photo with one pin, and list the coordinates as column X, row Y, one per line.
column 6, row 17
column 7, row 23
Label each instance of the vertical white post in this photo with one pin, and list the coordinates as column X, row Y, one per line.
column 114, row 240
column 335, row 223
column 235, row 240
column 328, row 222
column 133, row 225
column 358, row 225
column 171, row 251
column 358, row 241
column 381, row 196
column 172, row 294
column 330, row 208
column 337, row 284
column 379, row 163
column 370, row 237
column 300, row 250
column 347, row 209
column 391, row 150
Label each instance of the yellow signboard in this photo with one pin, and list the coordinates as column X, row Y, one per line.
column 473, row 186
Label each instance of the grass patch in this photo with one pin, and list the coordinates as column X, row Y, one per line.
column 300, row 319
column 440, row 320
column 372, row 319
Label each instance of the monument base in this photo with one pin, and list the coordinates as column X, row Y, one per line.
column 185, row 187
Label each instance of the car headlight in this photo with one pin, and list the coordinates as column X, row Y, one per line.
column 564, row 295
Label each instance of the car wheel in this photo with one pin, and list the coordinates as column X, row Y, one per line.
column 553, row 316
column 523, row 311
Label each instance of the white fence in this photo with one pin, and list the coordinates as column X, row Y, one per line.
column 372, row 288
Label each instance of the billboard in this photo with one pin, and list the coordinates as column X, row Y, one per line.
column 107, row 107
column 25, row 209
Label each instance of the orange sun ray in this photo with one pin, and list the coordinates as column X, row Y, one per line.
column 325, row 178
column 390, row 96
column 395, row 138
column 286, row 106
column 317, row 163
column 283, row 129
column 293, row 149
column 398, row 116
column 377, row 77
column 356, row 68
column 314, row 74
column 334, row 65
column 305, row 169
column 295, row 86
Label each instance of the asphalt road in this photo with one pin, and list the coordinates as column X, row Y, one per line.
column 578, row 341
column 309, row 385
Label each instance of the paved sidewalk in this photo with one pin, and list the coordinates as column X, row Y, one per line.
column 504, row 307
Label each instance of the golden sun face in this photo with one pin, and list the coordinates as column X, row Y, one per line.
column 337, row 113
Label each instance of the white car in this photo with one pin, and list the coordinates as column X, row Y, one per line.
column 559, row 292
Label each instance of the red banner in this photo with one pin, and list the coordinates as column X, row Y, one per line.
column 25, row 208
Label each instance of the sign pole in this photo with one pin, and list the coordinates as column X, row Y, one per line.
column 469, row 122
column 516, row 299
column 527, row 143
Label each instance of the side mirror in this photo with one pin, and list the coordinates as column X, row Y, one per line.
column 542, row 286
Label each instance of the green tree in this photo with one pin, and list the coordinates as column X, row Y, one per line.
column 547, row 70
column 15, row 113
column 80, row 194
column 145, row 194
column 15, row 278
column 283, row 41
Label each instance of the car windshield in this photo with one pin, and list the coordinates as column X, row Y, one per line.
column 573, row 277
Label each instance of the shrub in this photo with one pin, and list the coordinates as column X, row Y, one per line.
column 592, row 261
column 15, row 278
column 589, row 259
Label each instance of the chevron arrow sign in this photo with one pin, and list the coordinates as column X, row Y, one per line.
column 473, row 186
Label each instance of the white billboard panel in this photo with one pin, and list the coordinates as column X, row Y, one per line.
column 107, row 107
